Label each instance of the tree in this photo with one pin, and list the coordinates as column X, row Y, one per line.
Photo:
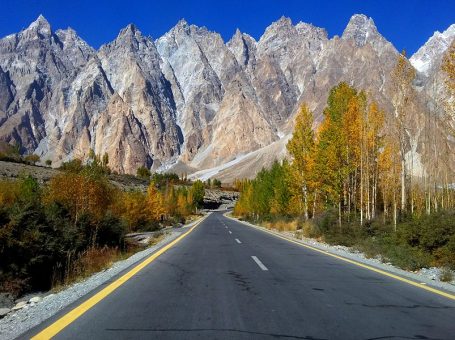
column 48, row 162
column 155, row 203
column 134, row 209
column 402, row 76
column 74, row 165
column 183, row 208
column 301, row 148
column 333, row 165
column 143, row 172
column 389, row 165
column 216, row 183
column 81, row 193
column 198, row 193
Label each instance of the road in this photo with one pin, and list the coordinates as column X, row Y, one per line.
column 226, row 280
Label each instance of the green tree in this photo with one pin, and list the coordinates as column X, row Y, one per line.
column 143, row 172
column 198, row 193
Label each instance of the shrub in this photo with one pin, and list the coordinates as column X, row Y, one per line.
column 9, row 193
column 74, row 165
column 143, row 172
column 32, row 159
column 446, row 275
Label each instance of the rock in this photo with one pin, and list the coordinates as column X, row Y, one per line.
column 49, row 296
column 145, row 103
column 35, row 299
column 19, row 305
column 6, row 300
column 4, row 312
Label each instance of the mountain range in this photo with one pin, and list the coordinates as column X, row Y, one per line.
column 191, row 103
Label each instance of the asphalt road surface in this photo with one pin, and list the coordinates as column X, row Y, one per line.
column 229, row 281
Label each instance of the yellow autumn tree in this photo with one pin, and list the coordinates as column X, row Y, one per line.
column 182, row 205
column 301, row 148
column 81, row 193
column 389, row 168
column 155, row 203
column 133, row 209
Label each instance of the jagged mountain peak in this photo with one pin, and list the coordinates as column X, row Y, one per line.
column 283, row 24
column 130, row 38
column 182, row 23
column 307, row 29
column 40, row 25
column 129, row 31
column 239, row 36
column 184, row 28
column 360, row 28
column 70, row 35
column 432, row 51
column 187, row 97
column 282, row 21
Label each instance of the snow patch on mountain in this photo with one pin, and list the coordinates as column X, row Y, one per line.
column 429, row 54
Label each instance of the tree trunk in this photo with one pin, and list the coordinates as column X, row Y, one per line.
column 403, row 184
column 339, row 213
column 305, row 200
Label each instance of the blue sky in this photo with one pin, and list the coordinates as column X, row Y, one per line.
column 407, row 24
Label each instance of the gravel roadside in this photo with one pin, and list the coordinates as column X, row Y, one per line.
column 425, row 276
column 32, row 314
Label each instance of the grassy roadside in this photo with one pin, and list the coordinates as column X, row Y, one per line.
column 95, row 260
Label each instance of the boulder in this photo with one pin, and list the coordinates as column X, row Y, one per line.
column 4, row 312
column 35, row 299
column 20, row 305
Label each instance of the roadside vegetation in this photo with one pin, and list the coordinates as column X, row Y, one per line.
column 75, row 224
column 349, row 183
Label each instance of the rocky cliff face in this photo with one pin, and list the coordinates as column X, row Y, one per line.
column 189, row 100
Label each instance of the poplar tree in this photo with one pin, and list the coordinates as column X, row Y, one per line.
column 301, row 147
column 402, row 76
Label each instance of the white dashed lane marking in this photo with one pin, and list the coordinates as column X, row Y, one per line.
column 259, row 263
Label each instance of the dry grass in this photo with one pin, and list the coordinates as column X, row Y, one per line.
column 158, row 238
column 89, row 262
column 281, row 225
column 446, row 275
column 95, row 260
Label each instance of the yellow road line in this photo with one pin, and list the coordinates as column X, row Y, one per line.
column 383, row 272
column 75, row 313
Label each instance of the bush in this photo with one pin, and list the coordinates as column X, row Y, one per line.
column 143, row 172
column 446, row 275
column 32, row 159
column 74, row 165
